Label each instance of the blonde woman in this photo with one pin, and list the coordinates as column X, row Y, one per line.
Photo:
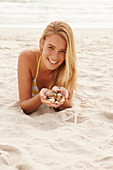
column 54, row 64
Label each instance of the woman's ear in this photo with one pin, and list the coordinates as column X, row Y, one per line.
column 41, row 44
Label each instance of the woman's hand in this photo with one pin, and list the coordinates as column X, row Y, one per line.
column 64, row 92
column 65, row 102
column 44, row 100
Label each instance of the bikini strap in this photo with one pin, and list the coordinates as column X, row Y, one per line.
column 37, row 67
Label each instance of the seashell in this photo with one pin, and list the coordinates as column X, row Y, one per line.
column 55, row 89
column 52, row 100
column 50, row 94
column 53, row 96
column 56, row 102
column 58, row 97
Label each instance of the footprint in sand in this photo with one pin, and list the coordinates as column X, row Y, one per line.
column 108, row 114
column 24, row 167
column 9, row 155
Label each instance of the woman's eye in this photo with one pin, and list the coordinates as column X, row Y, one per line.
column 63, row 52
column 52, row 48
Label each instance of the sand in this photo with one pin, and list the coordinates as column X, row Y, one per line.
column 79, row 138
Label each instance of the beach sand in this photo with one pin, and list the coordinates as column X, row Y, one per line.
column 80, row 138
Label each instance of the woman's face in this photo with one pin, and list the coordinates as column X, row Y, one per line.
column 54, row 49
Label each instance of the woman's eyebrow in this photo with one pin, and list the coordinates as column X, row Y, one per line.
column 55, row 47
column 51, row 45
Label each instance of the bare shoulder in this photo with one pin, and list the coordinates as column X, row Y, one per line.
column 29, row 56
column 27, row 62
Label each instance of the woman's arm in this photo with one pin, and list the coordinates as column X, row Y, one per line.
column 27, row 103
column 30, row 105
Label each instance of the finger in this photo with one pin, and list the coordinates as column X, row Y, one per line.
column 62, row 99
column 66, row 96
column 51, row 105
column 48, row 103
column 42, row 96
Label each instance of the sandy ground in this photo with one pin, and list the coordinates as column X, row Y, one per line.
column 80, row 138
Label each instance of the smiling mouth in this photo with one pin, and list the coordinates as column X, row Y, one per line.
column 52, row 62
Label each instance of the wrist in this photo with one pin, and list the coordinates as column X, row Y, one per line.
column 58, row 108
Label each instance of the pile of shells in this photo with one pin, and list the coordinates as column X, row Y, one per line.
column 53, row 95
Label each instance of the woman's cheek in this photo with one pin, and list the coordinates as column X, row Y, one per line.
column 47, row 52
column 62, row 58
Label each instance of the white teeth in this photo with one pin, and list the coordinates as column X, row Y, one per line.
column 53, row 62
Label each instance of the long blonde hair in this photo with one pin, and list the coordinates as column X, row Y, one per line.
column 65, row 75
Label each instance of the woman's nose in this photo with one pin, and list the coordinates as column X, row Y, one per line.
column 55, row 55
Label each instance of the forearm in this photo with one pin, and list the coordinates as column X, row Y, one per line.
column 30, row 105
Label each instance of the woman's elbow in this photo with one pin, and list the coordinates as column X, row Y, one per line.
column 23, row 107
